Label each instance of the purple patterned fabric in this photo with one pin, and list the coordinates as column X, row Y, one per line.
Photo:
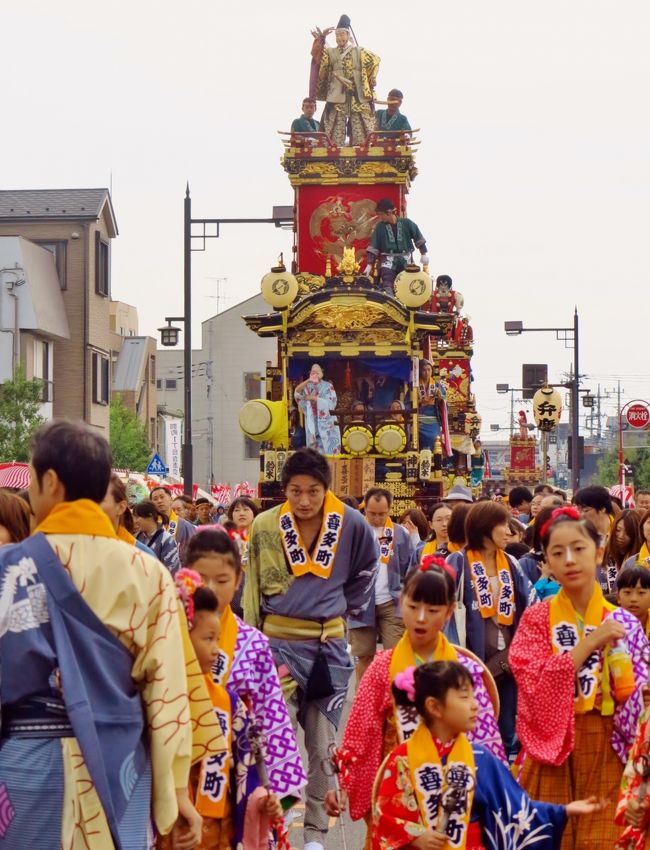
column 627, row 714
column 486, row 731
column 7, row 811
column 253, row 674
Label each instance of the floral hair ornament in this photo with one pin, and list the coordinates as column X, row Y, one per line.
column 436, row 561
column 570, row 513
column 187, row 582
column 405, row 681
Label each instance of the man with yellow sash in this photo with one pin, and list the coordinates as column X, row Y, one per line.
column 96, row 721
column 380, row 622
column 311, row 564
column 180, row 529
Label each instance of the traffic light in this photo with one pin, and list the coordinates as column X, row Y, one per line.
column 581, row 452
column 533, row 376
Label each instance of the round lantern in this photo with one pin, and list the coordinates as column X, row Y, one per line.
column 279, row 287
column 357, row 440
column 263, row 420
column 390, row 439
column 547, row 408
column 413, row 287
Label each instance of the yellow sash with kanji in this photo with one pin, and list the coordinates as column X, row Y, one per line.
column 433, row 782
column 567, row 629
column 386, row 542
column 406, row 717
column 227, row 643
column 173, row 523
column 431, row 547
column 502, row 608
column 300, row 561
column 214, row 777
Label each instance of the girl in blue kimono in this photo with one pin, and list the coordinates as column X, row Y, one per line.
column 437, row 790
column 316, row 399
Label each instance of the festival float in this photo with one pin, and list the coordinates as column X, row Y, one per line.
column 373, row 369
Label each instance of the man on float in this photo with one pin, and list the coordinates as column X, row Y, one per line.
column 392, row 242
column 391, row 120
column 306, row 123
column 311, row 565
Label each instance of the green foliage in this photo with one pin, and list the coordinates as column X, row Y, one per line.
column 20, row 401
column 608, row 468
column 128, row 439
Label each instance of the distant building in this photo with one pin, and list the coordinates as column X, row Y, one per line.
column 66, row 333
column 226, row 371
column 133, row 366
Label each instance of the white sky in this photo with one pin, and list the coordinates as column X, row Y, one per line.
column 534, row 183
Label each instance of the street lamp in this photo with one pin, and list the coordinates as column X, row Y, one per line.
column 209, row 229
column 169, row 333
column 570, row 338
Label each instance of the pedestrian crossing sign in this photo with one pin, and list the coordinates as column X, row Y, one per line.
column 156, row 466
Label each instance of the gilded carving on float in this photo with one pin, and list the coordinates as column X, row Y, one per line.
column 350, row 318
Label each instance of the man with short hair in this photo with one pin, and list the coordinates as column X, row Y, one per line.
column 180, row 529
column 519, row 499
column 642, row 499
column 392, row 242
column 95, row 707
column 544, row 489
column 204, row 509
column 311, row 565
column 380, row 621
column 391, row 119
column 595, row 504
column 306, row 123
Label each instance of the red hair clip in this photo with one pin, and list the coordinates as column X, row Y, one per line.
column 569, row 512
column 436, row 561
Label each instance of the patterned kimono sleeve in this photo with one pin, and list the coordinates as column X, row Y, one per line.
column 509, row 818
column 363, row 736
column 362, row 567
column 486, row 731
column 630, row 783
column 160, row 669
column 626, row 717
column 370, row 64
column 415, row 234
column 396, row 818
column 252, row 598
column 546, row 688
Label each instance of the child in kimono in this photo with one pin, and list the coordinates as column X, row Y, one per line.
column 237, row 812
column 438, row 791
column 578, row 664
column 633, row 593
column 244, row 663
column 376, row 724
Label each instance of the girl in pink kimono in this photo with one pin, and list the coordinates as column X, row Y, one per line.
column 427, row 604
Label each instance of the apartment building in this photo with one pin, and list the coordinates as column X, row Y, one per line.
column 76, row 227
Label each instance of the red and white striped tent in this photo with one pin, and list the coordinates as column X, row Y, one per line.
column 627, row 497
column 14, row 475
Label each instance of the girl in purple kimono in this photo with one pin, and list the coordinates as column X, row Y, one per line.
column 245, row 664
column 316, row 399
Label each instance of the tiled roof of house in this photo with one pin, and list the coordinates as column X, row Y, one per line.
column 21, row 204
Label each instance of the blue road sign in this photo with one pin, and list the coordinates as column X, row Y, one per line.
column 156, row 466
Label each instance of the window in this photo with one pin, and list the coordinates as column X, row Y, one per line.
column 102, row 266
column 152, row 369
column 170, row 383
column 252, row 390
column 159, row 384
column 59, row 249
column 100, row 378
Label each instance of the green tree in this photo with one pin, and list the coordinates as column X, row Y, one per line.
column 20, row 400
column 128, row 439
column 608, row 473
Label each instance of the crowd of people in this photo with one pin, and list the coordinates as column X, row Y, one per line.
column 162, row 661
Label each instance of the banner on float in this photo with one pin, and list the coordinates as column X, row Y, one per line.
column 173, row 445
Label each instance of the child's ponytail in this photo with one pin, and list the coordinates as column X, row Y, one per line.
column 416, row 685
